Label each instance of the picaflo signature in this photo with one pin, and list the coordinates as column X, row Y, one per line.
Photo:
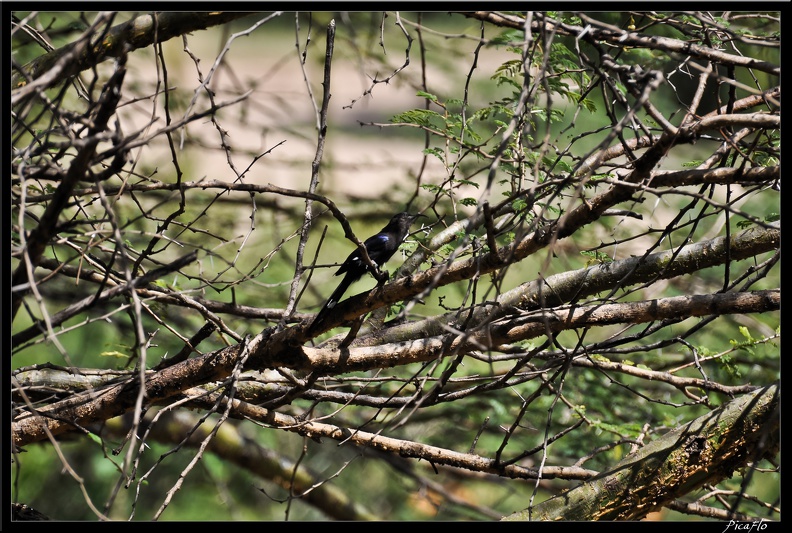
column 746, row 527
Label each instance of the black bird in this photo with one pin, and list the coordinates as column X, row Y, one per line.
column 379, row 247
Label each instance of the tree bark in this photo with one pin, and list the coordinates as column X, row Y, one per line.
column 704, row 451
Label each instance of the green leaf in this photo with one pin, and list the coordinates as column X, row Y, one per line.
column 428, row 96
column 431, row 187
column 507, row 37
column 420, row 117
column 468, row 182
column 114, row 353
column 437, row 152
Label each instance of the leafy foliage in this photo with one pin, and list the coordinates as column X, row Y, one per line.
column 598, row 262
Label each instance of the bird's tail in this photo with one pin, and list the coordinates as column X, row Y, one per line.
column 333, row 300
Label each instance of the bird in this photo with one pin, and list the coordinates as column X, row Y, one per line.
column 379, row 247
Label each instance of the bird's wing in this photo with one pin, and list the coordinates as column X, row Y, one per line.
column 376, row 247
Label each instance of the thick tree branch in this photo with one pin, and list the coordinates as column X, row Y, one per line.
column 562, row 288
column 599, row 32
column 46, row 228
column 704, row 451
column 105, row 403
column 403, row 448
column 137, row 33
column 530, row 326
